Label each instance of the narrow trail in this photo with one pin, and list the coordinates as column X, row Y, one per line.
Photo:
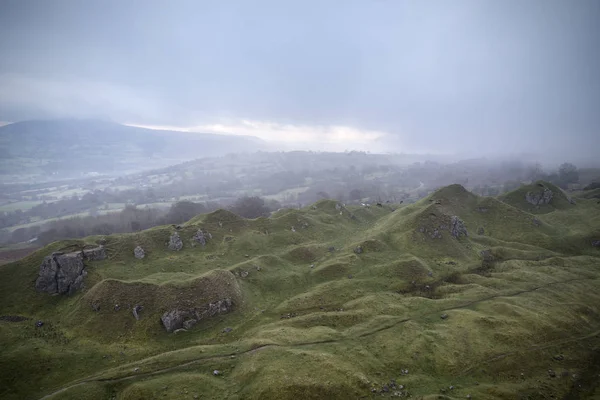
column 344, row 339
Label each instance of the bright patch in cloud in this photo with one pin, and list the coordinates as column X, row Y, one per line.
column 301, row 137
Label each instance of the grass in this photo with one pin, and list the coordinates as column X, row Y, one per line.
column 315, row 319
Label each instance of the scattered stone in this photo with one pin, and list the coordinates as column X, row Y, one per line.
column 258, row 268
column 96, row 306
column 136, row 369
column 189, row 324
column 483, row 209
column 290, row 315
column 350, row 276
column 61, row 273
column 246, row 255
column 480, row 231
column 539, row 198
column 139, row 253
column 338, row 206
column 136, row 311
column 243, row 274
column 404, row 371
column 312, row 265
column 175, row 242
column 468, row 396
column 444, row 316
column 558, row 357
column 551, row 374
column 537, row 222
column 358, row 250
column 571, row 200
column 216, row 372
column 451, row 387
column 331, row 249
column 227, row 330
column 596, row 243
column 487, row 255
column 457, row 227
column 430, row 273
column 39, row 323
column 117, row 307
column 293, row 229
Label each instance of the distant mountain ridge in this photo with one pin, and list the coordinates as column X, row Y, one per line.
column 70, row 147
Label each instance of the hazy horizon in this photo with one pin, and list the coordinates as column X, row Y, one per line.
column 463, row 77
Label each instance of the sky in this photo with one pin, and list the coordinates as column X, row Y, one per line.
column 461, row 76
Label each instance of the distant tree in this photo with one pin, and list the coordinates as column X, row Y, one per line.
column 567, row 173
column 250, row 207
column 183, row 211
column 323, row 195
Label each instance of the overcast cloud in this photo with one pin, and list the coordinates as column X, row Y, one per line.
column 431, row 76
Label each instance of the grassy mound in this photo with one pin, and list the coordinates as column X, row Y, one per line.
column 330, row 302
column 518, row 198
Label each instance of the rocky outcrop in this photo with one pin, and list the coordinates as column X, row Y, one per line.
column 175, row 242
column 457, row 227
column 61, row 273
column 187, row 318
column 201, row 237
column 139, row 253
column 596, row 243
column 95, row 254
column 538, row 198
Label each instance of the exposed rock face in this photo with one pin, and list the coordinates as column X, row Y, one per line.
column 95, row 254
column 202, row 237
column 175, row 242
column 539, row 198
column 137, row 309
column 139, row 253
column 184, row 318
column 457, row 227
column 61, row 273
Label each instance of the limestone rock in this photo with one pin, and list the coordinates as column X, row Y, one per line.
column 137, row 309
column 139, row 253
column 175, row 242
column 61, row 273
column 95, row 254
column 186, row 318
column 202, row 237
column 596, row 243
column 540, row 197
column 457, row 227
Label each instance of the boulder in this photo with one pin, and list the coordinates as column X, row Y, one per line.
column 137, row 309
column 596, row 243
column 457, row 227
column 175, row 242
column 139, row 253
column 541, row 197
column 187, row 318
column 61, row 273
column 95, row 254
column 202, row 237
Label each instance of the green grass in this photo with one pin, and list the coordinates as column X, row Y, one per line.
column 19, row 205
column 314, row 319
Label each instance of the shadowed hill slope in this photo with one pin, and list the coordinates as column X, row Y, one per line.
column 455, row 295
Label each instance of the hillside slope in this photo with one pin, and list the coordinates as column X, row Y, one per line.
column 59, row 147
column 454, row 296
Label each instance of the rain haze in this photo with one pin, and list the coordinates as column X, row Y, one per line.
column 466, row 77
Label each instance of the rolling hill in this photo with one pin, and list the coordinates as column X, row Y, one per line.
column 456, row 296
column 60, row 149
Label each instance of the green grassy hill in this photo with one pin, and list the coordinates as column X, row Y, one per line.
column 454, row 296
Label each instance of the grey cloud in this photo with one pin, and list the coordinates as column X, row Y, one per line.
column 445, row 76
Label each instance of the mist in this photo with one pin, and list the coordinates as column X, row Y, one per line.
column 465, row 77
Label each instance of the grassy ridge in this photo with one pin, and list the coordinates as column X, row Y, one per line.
column 315, row 316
